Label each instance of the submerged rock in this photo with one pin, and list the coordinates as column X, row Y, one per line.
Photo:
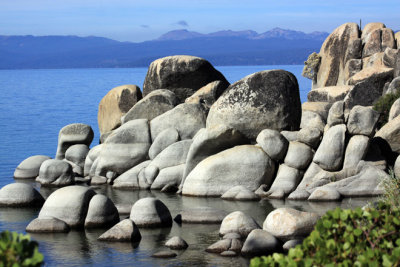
column 124, row 231
column 177, row 243
column 47, row 225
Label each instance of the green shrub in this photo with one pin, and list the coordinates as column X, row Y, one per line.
column 391, row 186
column 18, row 250
column 369, row 237
column 383, row 105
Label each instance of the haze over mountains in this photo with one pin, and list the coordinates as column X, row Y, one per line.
column 274, row 47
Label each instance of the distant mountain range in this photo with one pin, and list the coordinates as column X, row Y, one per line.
column 277, row 46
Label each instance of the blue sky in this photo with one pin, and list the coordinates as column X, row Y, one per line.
column 139, row 20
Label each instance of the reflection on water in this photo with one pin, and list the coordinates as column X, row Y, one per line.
column 79, row 248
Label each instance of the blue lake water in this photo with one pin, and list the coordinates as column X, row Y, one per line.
column 36, row 104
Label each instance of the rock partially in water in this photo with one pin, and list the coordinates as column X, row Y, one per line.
column 29, row 168
column 260, row 242
column 201, row 215
column 150, row 213
column 130, row 178
column 238, row 222
column 220, row 246
column 124, row 231
column 169, row 176
column 243, row 165
column 54, row 172
column 176, row 243
column 47, row 225
column 240, row 193
column 101, row 212
column 325, row 193
column 20, row 195
column 69, row 204
column 164, row 254
column 287, row 223
column 72, row 134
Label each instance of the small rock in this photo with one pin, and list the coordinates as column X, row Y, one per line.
column 164, row 254
column 310, row 137
column 336, row 114
column 101, row 212
column 238, row 222
column 124, row 231
column 299, row 155
column 72, row 134
column 291, row 244
column 325, row 193
column 220, row 246
column 98, row 180
column 228, row 253
column 362, row 120
column 240, row 193
column 177, row 243
column 150, row 212
column 260, row 242
column 54, row 172
column 273, row 143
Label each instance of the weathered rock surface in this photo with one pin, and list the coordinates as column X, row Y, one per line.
column 124, row 231
column 20, row 195
column 394, row 86
column 394, row 110
column 310, row 136
column 329, row 155
column 239, row 193
column 299, row 155
column 273, row 143
column 201, row 215
column 209, row 93
column 177, row 72
column 243, row 165
column 333, row 55
column 186, row 118
column 90, row 158
column 210, row 141
column 29, row 168
column 47, row 225
column 72, row 134
column 253, row 104
column 362, row 120
column 287, row 223
column 152, row 105
column 285, row 182
column 238, row 222
column 260, row 242
column 329, row 94
column 54, row 172
column 69, row 204
column 220, row 246
column 391, row 133
column 309, row 178
column 352, row 67
column 356, row 150
column 115, row 104
column 101, row 212
column 325, row 193
column 336, row 114
column 150, row 213
column 76, row 156
column 310, row 119
column 169, row 176
column 162, row 141
column 176, row 243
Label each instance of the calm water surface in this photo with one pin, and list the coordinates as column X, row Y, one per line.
column 36, row 104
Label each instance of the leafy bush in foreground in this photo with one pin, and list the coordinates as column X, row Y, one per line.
column 369, row 237
column 18, row 250
column 383, row 105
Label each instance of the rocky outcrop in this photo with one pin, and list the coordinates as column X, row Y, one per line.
column 115, row 104
column 29, row 168
column 243, row 165
column 183, row 75
column 266, row 99
column 152, row 105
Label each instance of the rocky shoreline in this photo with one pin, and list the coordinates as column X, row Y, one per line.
column 191, row 132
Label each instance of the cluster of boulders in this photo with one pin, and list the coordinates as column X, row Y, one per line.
column 193, row 133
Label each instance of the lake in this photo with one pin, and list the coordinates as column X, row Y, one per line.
column 36, row 104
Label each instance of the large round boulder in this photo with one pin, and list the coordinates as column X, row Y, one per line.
column 54, row 172
column 180, row 72
column 115, row 104
column 20, row 195
column 245, row 165
column 69, row 204
column 266, row 99
column 72, row 134
column 260, row 242
column 29, row 168
column 273, row 143
column 150, row 213
column 238, row 222
column 152, row 105
column 101, row 212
